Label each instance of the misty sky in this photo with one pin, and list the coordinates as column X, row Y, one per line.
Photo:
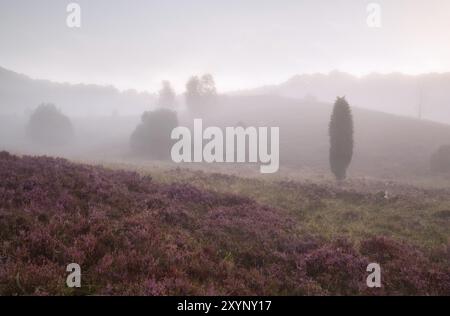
column 243, row 43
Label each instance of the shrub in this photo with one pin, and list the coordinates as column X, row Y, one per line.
column 338, row 268
column 405, row 269
column 152, row 136
column 49, row 127
column 440, row 160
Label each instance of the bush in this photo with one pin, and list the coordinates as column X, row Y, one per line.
column 49, row 127
column 440, row 160
column 152, row 136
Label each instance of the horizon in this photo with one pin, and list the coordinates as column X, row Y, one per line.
column 152, row 92
column 137, row 46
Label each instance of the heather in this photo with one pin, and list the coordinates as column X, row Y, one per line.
column 356, row 209
column 200, row 234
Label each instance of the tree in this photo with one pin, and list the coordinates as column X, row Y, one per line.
column 440, row 160
column 208, row 86
column 193, row 93
column 151, row 138
column 49, row 127
column 166, row 98
column 341, row 138
column 201, row 93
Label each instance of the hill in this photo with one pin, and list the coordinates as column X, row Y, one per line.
column 21, row 94
column 385, row 145
column 391, row 93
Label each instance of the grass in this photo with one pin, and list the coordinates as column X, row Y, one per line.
column 356, row 210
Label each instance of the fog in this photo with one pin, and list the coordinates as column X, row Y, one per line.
column 245, row 44
column 272, row 63
column 224, row 147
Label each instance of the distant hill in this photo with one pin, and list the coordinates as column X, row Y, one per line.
column 20, row 94
column 392, row 93
column 385, row 144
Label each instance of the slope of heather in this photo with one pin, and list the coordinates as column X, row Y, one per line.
column 132, row 235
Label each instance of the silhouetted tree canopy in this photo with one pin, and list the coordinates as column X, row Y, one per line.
column 151, row 137
column 166, row 96
column 49, row 127
column 440, row 160
column 201, row 93
column 341, row 138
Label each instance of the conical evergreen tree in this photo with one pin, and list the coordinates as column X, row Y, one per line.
column 341, row 138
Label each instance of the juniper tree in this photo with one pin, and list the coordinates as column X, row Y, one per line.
column 341, row 138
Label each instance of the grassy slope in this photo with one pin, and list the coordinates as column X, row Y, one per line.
column 134, row 234
column 385, row 145
column 419, row 214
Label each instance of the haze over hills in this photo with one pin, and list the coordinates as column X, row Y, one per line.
column 391, row 93
column 386, row 144
column 426, row 96
column 20, row 94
